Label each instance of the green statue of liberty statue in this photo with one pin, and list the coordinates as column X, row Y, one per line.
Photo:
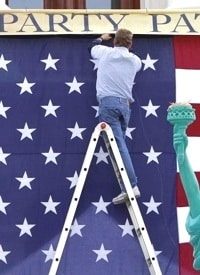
column 181, row 115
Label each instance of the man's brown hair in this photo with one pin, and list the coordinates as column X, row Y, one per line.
column 123, row 38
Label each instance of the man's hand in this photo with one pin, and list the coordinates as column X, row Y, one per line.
column 105, row 36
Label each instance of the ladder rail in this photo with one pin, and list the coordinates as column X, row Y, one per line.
column 146, row 245
column 135, row 215
column 74, row 201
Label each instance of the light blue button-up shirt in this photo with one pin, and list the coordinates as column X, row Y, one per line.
column 117, row 68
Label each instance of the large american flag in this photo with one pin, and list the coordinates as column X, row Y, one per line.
column 48, row 111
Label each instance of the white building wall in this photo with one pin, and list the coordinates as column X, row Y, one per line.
column 3, row 6
column 173, row 4
column 153, row 4
column 183, row 4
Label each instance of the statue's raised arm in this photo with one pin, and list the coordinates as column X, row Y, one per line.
column 181, row 115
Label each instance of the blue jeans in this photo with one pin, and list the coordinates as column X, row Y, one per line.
column 116, row 112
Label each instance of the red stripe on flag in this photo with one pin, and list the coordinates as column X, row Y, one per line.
column 181, row 199
column 186, row 260
column 194, row 128
column 186, row 52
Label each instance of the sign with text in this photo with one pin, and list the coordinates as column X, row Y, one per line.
column 99, row 21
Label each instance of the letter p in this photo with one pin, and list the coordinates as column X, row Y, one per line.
column 159, row 19
column 7, row 18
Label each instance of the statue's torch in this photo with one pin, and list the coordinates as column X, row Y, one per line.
column 180, row 115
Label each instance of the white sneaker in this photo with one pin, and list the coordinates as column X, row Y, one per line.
column 123, row 197
column 136, row 191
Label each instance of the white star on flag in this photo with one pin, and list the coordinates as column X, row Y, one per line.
column 102, row 253
column 74, row 86
column 152, row 155
column 158, row 252
column 127, row 228
column 150, row 109
column 73, row 180
column 50, row 205
column 76, row 228
column 96, row 108
column 50, row 62
column 76, row 131
column 3, row 156
column 129, row 130
column 25, row 181
column 50, row 109
column 3, row 254
column 4, row 62
column 101, row 205
column 3, row 110
column 101, row 156
column 25, row 228
column 3, row 206
column 50, row 253
column 96, row 63
column 51, row 156
column 149, row 63
column 152, row 206
column 25, row 86
column 26, row 132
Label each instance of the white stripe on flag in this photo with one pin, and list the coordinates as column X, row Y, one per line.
column 193, row 153
column 188, row 85
column 182, row 213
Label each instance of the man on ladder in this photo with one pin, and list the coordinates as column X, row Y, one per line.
column 117, row 69
column 115, row 77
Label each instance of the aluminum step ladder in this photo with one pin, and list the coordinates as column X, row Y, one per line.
column 132, row 206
